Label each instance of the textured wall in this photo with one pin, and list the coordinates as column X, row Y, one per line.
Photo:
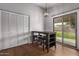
column 35, row 13
column 48, row 23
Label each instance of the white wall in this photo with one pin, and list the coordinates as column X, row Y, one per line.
column 48, row 25
column 35, row 13
column 57, row 10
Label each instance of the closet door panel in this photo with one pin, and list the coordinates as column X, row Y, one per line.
column 0, row 33
column 26, row 18
column 5, row 29
column 26, row 36
column 0, row 25
column 20, row 28
column 12, row 29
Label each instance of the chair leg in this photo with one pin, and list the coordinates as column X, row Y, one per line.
column 43, row 45
column 47, row 49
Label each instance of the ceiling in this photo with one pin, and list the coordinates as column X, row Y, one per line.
column 46, row 5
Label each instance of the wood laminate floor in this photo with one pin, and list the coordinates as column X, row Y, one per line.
column 35, row 50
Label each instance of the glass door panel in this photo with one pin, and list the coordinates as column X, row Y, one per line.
column 58, row 28
column 69, row 29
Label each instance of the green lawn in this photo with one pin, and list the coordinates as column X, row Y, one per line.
column 67, row 35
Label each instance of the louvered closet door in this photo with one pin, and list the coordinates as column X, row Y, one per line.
column 26, row 29
column 5, row 29
column 20, row 29
column 12, row 29
column 26, row 19
column 0, row 33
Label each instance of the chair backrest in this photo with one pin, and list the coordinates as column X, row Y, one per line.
column 35, row 33
column 43, row 34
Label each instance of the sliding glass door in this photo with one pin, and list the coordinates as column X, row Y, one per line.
column 65, row 28
column 69, row 29
column 58, row 28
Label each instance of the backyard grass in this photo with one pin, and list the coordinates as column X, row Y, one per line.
column 67, row 35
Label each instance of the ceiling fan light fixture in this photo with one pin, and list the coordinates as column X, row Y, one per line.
column 45, row 14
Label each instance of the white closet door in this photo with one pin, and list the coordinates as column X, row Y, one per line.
column 26, row 26
column 0, row 25
column 0, row 33
column 20, row 26
column 12, row 29
column 5, row 28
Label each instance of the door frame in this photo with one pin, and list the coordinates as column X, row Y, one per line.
column 62, row 26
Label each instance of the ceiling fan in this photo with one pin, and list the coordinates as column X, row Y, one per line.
column 46, row 11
